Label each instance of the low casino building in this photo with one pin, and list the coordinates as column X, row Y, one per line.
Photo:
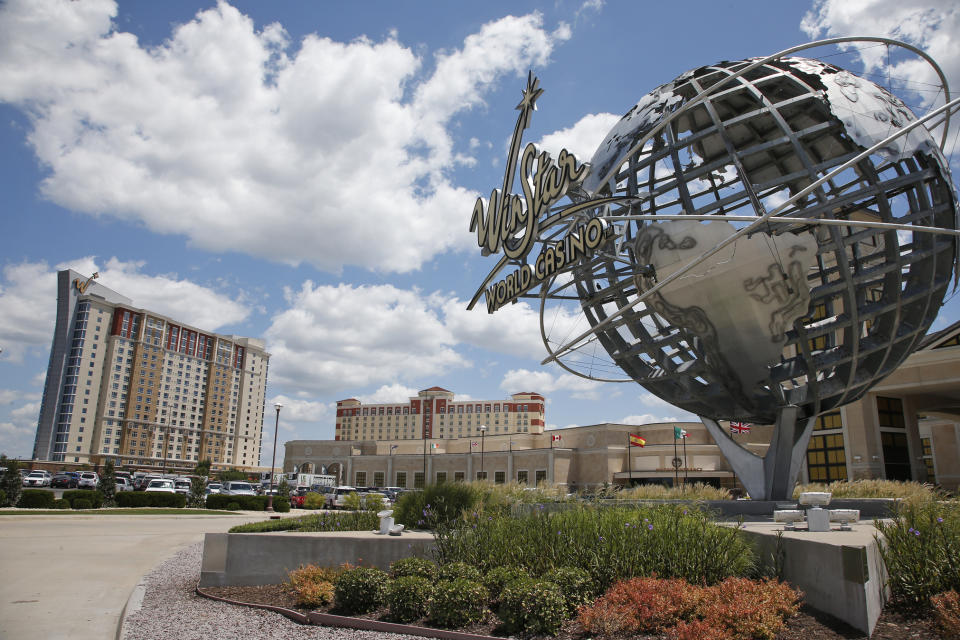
column 907, row 427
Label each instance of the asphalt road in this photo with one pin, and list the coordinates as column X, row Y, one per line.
column 69, row 576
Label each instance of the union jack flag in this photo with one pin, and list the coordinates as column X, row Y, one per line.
column 474, row 444
column 740, row 427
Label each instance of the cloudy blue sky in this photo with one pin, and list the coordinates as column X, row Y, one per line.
column 304, row 172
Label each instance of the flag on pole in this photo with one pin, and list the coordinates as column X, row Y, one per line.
column 637, row 441
column 740, row 427
column 679, row 433
column 434, row 445
column 393, row 446
column 555, row 437
column 474, row 444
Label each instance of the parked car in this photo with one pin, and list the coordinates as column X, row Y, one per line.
column 237, row 488
column 160, row 485
column 182, row 485
column 123, row 484
column 38, row 479
column 335, row 499
column 214, row 487
column 88, row 480
column 65, row 480
column 371, row 496
column 145, row 482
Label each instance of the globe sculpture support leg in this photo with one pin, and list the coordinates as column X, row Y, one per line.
column 773, row 476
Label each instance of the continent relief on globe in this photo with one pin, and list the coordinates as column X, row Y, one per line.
column 738, row 302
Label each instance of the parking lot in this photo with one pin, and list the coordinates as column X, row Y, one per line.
column 69, row 576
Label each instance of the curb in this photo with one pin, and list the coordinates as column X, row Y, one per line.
column 330, row 620
column 134, row 603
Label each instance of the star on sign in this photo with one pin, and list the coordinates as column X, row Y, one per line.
column 530, row 95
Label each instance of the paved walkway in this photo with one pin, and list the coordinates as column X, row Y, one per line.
column 69, row 576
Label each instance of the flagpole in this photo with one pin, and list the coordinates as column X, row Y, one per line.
column 676, row 469
column 686, row 467
column 630, row 458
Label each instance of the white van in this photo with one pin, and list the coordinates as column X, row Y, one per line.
column 335, row 499
column 237, row 488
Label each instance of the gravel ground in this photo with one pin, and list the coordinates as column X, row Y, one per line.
column 171, row 609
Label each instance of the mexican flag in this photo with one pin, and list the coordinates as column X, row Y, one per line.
column 679, row 433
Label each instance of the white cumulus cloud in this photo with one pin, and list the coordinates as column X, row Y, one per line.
column 325, row 152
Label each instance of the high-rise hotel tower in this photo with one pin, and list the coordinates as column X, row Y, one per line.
column 143, row 389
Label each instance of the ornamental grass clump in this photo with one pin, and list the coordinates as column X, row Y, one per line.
column 610, row 544
column 457, row 604
column 872, row 488
column 419, row 567
column 534, row 607
column 408, row 598
column 920, row 546
column 695, row 491
column 360, row 589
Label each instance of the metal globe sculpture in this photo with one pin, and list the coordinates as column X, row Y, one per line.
column 775, row 236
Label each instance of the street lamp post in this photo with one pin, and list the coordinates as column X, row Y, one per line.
column 273, row 464
column 483, row 433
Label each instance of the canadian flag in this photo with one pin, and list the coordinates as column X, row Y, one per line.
column 555, row 437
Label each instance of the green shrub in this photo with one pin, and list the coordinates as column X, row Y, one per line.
column 3, row 498
column 80, row 503
column 36, row 499
column 246, row 503
column 459, row 603
column 533, row 606
column 920, row 547
column 313, row 500
column 437, row 504
column 360, row 589
column 95, row 498
column 326, row 521
column 151, row 499
column 457, row 571
column 408, row 597
column 61, row 504
column 419, row 567
column 498, row 578
column 575, row 585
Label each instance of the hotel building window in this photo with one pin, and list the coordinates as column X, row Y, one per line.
column 826, row 461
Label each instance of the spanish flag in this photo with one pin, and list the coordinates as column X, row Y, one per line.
column 637, row 441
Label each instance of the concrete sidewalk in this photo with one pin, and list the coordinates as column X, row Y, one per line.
column 69, row 576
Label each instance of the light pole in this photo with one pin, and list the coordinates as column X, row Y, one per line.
column 166, row 439
column 483, row 433
column 273, row 464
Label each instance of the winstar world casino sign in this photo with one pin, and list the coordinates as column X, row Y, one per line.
column 511, row 224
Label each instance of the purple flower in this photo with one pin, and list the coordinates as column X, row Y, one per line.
column 916, row 533
column 684, row 512
column 939, row 519
column 910, row 530
column 650, row 527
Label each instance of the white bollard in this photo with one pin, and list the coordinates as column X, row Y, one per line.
column 818, row 519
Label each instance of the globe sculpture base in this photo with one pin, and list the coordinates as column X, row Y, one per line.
column 773, row 476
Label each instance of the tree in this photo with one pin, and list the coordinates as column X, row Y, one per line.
column 231, row 474
column 197, row 487
column 108, row 484
column 283, row 489
column 203, row 468
column 11, row 483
